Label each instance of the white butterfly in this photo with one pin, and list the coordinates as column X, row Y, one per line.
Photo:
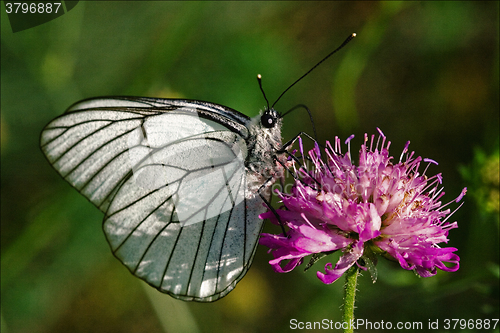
column 181, row 184
column 178, row 181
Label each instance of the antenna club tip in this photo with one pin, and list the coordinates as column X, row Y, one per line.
column 259, row 77
column 353, row 34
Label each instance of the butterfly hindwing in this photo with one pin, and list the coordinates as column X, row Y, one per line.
column 170, row 177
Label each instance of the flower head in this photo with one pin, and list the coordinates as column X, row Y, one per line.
column 374, row 207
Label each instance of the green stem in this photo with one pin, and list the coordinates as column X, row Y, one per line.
column 351, row 281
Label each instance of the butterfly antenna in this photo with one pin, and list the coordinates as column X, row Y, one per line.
column 351, row 36
column 310, row 117
column 259, row 79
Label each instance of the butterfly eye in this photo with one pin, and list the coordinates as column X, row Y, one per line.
column 268, row 118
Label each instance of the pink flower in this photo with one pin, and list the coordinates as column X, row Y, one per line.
column 375, row 207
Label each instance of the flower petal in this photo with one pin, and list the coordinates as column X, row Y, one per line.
column 344, row 263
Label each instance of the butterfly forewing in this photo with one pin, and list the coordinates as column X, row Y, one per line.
column 170, row 177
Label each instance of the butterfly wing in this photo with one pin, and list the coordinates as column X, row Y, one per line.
column 170, row 177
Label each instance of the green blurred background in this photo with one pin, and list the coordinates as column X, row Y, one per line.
column 421, row 71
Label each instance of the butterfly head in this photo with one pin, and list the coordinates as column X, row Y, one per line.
column 269, row 118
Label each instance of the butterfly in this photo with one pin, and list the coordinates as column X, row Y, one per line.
column 181, row 184
column 178, row 182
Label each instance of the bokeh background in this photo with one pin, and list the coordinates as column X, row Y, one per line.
column 421, row 71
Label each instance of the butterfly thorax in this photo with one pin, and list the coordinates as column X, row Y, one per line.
column 263, row 143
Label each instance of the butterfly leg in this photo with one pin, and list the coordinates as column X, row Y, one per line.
column 268, row 204
column 294, row 174
column 292, row 141
column 300, row 160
